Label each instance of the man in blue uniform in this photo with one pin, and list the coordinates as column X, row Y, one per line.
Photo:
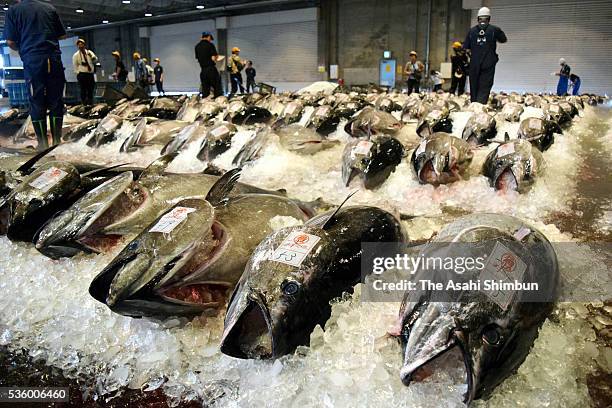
column 33, row 28
column 482, row 42
column 563, row 74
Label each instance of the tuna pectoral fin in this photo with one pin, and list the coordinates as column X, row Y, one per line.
column 220, row 191
column 25, row 167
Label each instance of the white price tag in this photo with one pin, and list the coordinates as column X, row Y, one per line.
column 534, row 123
column 505, row 266
column 505, row 149
column 362, row 148
column 435, row 114
column 522, row 233
column 169, row 221
column 235, row 107
column 293, row 250
column 322, row 111
column 220, row 131
column 482, row 119
column 291, row 108
column 421, row 147
column 48, row 179
column 109, row 125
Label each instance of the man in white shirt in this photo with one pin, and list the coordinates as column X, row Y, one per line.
column 84, row 62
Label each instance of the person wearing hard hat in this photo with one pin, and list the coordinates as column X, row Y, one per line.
column 84, row 63
column 120, row 74
column 482, row 41
column 140, row 71
column 414, row 70
column 158, row 72
column 460, row 65
column 235, row 67
column 563, row 74
column 34, row 29
column 207, row 56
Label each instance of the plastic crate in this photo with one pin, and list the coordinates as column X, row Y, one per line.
column 18, row 94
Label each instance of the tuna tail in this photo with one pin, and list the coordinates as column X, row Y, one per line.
column 27, row 166
column 219, row 193
column 250, row 151
column 134, row 139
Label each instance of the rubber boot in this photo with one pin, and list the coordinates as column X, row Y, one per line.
column 56, row 129
column 40, row 128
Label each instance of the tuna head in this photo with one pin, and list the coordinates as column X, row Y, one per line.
column 493, row 338
column 39, row 196
column 137, row 282
column 440, row 159
column 284, row 294
column 479, row 128
column 514, row 166
column 65, row 234
column 373, row 160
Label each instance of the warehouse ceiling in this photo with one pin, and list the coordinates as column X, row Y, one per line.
column 80, row 13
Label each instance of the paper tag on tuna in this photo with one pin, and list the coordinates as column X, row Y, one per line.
column 482, row 119
column 110, row 124
column 503, row 266
column 554, row 108
column 363, row 148
column 291, row 108
column 220, row 131
column 293, row 250
column 505, row 149
column 322, row 111
column 48, row 179
column 534, row 123
column 522, row 233
column 436, row 114
column 169, row 221
column 421, row 148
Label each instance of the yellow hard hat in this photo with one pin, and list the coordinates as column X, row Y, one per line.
column 413, row 53
column 136, row 55
column 80, row 40
column 235, row 49
column 457, row 44
column 116, row 53
column 156, row 60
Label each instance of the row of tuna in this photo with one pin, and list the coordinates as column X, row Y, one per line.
column 192, row 244
column 372, row 123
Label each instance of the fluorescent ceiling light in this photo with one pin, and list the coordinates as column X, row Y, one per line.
column 79, row 10
column 199, row 6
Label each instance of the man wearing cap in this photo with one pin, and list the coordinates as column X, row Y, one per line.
column 563, row 74
column 158, row 72
column 207, row 56
column 84, row 62
column 414, row 69
column 459, row 67
column 33, row 28
column 140, row 71
column 482, row 41
column 120, row 73
column 235, row 67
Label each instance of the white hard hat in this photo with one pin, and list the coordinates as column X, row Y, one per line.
column 561, row 61
column 484, row 12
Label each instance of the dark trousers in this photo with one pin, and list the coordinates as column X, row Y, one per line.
column 87, row 83
column 45, row 80
column 160, row 87
column 458, row 85
column 436, row 88
column 210, row 78
column 413, row 86
column 481, row 82
column 250, row 85
column 236, row 80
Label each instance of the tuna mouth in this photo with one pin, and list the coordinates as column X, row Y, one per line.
column 506, row 181
column 250, row 337
column 204, row 294
column 452, row 361
column 428, row 174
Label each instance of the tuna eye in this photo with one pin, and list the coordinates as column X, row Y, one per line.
column 290, row 288
column 490, row 335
